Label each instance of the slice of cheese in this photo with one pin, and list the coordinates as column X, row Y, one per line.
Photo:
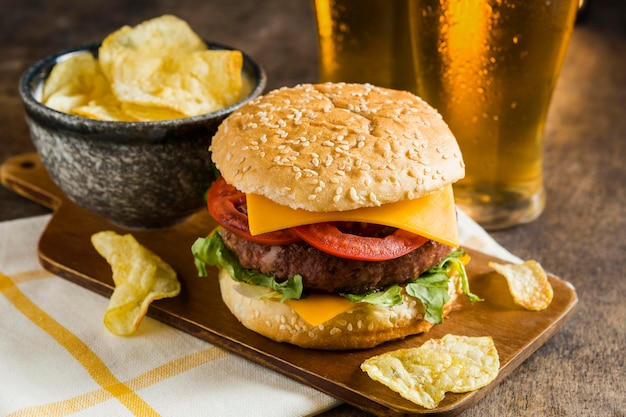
column 432, row 216
column 317, row 309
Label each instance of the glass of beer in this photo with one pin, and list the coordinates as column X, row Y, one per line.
column 490, row 68
column 365, row 41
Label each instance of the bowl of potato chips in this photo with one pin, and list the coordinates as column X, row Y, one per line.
column 123, row 126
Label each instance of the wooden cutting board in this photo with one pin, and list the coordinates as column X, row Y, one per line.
column 65, row 250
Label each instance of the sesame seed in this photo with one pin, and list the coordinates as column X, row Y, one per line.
column 353, row 194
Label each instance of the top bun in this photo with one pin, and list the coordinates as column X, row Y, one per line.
column 337, row 146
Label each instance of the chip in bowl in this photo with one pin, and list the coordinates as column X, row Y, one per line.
column 158, row 70
column 74, row 82
column 162, row 63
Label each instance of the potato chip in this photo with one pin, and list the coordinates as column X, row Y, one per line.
column 162, row 36
column 140, row 277
column 191, row 84
column 528, row 284
column 74, row 82
column 424, row 374
column 157, row 70
column 141, row 113
column 104, row 108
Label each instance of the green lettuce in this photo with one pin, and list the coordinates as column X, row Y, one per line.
column 389, row 297
column 431, row 288
column 211, row 251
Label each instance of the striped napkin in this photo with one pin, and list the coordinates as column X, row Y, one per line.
column 57, row 358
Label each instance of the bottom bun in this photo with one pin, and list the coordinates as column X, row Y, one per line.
column 364, row 326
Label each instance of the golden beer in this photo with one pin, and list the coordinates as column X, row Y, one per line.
column 490, row 68
column 365, row 41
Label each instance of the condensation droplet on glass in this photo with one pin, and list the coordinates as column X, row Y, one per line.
column 515, row 39
column 496, row 118
column 480, row 90
column 513, row 104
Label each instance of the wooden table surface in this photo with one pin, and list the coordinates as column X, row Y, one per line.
column 580, row 236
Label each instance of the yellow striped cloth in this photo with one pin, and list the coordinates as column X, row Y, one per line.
column 57, row 358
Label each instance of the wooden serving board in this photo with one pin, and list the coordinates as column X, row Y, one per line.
column 65, row 250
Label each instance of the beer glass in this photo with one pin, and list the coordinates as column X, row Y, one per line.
column 365, row 41
column 490, row 68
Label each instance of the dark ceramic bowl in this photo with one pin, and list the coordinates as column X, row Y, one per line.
column 136, row 174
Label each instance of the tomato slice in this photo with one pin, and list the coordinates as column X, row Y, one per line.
column 328, row 238
column 228, row 207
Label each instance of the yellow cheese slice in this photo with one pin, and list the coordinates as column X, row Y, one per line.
column 432, row 216
column 316, row 309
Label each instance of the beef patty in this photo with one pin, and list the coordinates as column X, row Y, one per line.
column 325, row 273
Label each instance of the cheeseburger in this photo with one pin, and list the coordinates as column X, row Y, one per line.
column 337, row 223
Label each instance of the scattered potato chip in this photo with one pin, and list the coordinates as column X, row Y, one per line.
column 140, row 277
column 424, row 374
column 528, row 284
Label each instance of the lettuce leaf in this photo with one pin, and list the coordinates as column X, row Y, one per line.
column 432, row 291
column 432, row 286
column 389, row 297
column 212, row 251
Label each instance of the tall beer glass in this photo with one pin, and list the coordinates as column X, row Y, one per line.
column 490, row 67
column 365, row 41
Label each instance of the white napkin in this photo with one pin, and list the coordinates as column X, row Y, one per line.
column 57, row 358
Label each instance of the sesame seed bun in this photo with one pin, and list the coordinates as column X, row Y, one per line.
column 337, row 146
column 363, row 327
